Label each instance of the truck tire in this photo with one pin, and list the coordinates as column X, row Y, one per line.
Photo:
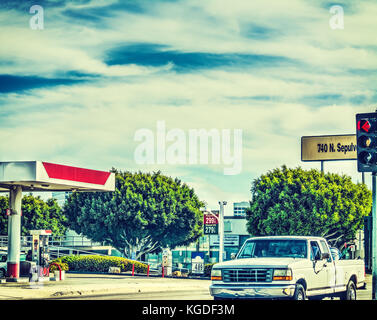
column 350, row 293
column 300, row 293
column 2, row 273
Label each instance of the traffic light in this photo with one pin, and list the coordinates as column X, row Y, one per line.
column 366, row 136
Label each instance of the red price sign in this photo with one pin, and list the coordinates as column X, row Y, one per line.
column 211, row 219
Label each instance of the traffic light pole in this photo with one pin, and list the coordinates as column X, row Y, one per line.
column 374, row 237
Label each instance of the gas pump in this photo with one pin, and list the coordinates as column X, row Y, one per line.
column 40, row 252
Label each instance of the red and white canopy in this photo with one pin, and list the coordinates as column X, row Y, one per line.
column 46, row 176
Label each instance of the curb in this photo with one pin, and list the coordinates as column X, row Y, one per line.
column 89, row 292
column 137, row 275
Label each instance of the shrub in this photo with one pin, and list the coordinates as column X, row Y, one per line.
column 63, row 266
column 95, row 263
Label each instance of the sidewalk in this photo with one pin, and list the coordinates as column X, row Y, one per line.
column 77, row 284
column 86, row 284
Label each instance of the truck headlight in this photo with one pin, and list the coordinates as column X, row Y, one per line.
column 282, row 274
column 216, row 274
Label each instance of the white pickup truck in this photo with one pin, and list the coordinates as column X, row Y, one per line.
column 292, row 267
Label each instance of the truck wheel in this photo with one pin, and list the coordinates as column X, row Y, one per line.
column 350, row 293
column 299, row 293
column 2, row 273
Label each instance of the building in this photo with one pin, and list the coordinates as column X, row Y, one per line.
column 60, row 197
column 239, row 208
column 235, row 234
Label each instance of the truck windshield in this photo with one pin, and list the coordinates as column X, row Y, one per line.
column 274, row 248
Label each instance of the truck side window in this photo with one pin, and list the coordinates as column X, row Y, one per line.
column 315, row 251
column 248, row 250
column 325, row 249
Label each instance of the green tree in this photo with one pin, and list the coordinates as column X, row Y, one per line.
column 146, row 212
column 299, row 202
column 36, row 214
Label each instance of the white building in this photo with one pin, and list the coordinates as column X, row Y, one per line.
column 239, row 208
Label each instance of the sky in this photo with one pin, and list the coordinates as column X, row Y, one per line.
column 77, row 88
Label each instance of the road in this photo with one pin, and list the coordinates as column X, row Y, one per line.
column 200, row 293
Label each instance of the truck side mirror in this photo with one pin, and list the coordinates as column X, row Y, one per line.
column 325, row 256
column 233, row 256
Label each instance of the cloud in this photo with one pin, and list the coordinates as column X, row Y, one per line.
column 9, row 83
column 77, row 91
column 146, row 54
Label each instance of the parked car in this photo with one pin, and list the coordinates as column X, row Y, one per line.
column 3, row 262
column 287, row 267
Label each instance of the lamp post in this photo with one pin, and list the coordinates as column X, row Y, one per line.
column 221, row 230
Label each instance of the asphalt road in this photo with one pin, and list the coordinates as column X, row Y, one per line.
column 189, row 294
column 121, row 287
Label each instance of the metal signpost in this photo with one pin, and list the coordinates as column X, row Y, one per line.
column 221, row 230
column 374, row 238
column 366, row 134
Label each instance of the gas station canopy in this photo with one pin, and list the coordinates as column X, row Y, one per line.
column 19, row 176
column 46, row 176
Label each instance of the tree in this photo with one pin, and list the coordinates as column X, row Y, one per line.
column 298, row 202
column 36, row 214
column 146, row 212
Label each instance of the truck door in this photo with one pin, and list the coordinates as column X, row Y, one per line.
column 320, row 271
column 330, row 266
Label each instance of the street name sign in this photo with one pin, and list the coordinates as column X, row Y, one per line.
column 329, row 148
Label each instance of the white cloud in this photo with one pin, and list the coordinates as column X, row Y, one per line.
column 93, row 124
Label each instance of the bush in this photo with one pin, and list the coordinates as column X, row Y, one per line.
column 95, row 263
column 63, row 266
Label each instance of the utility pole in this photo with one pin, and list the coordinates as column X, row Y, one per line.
column 366, row 135
column 374, row 237
column 221, row 230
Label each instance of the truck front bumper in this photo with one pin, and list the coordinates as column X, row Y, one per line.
column 252, row 292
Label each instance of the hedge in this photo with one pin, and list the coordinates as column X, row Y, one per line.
column 63, row 266
column 95, row 263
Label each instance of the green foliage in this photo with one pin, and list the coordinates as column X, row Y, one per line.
column 299, row 202
column 63, row 266
column 36, row 214
column 95, row 263
column 143, row 206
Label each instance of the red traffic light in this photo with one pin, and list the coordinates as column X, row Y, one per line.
column 363, row 125
column 366, row 135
